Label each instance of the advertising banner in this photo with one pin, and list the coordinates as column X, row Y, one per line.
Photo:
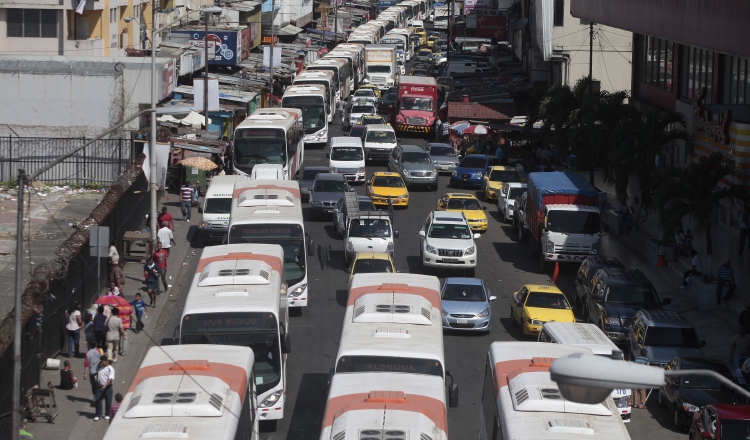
column 167, row 79
column 470, row 5
column 223, row 46
column 492, row 27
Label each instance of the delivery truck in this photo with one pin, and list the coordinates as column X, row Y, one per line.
column 416, row 108
column 381, row 65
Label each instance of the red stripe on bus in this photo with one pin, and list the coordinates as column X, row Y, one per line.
column 274, row 262
column 433, row 296
column 507, row 370
column 431, row 408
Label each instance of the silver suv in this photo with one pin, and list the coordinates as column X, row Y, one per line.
column 414, row 165
column 446, row 241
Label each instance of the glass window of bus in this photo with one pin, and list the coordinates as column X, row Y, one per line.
column 335, row 71
column 313, row 112
column 254, row 146
column 288, row 236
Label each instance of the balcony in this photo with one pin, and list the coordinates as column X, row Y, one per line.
column 90, row 47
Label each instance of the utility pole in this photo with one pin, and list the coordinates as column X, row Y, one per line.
column 270, row 74
column 336, row 24
column 205, row 73
column 450, row 28
column 591, row 57
column 18, row 313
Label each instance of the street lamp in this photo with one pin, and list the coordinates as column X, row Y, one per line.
column 18, row 312
column 587, row 378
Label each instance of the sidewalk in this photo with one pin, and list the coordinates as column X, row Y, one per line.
column 75, row 418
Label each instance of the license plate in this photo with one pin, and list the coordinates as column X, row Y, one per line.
column 443, row 167
column 461, row 321
column 450, row 260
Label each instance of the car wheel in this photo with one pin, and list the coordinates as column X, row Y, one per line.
column 514, row 226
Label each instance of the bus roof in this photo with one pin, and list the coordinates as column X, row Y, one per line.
column 305, row 90
column 385, row 402
column 315, row 74
column 530, row 403
column 237, row 277
column 278, row 117
column 327, row 62
column 223, row 185
column 263, row 201
column 210, row 381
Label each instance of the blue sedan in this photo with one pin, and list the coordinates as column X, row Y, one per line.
column 471, row 169
column 466, row 305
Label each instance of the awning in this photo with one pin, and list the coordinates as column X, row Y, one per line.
column 245, row 6
column 290, row 29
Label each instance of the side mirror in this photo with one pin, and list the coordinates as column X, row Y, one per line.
column 352, row 190
column 309, row 188
column 286, row 344
column 703, row 343
column 330, row 377
column 452, row 391
column 422, row 234
column 477, row 235
column 395, row 234
column 395, row 161
column 492, row 298
column 225, row 239
column 484, row 208
column 666, row 301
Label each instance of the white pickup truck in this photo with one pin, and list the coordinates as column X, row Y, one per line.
column 366, row 231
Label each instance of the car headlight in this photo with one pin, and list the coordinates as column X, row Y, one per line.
column 444, row 312
column 454, row 173
column 485, row 313
column 205, row 225
column 349, row 246
column 271, row 400
column 431, row 249
column 332, row 170
column 595, row 248
column 315, row 202
column 549, row 246
column 406, row 172
column 402, row 197
column 389, row 248
column 434, row 161
column 623, row 402
column 536, row 322
column 480, row 175
column 612, row 321
column 469, row 251
column 361, row 170
column 299, row 290
column 688, row 407
column 323, row 133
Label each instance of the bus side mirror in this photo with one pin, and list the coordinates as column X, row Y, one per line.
column 452, row 391
column 286, row 344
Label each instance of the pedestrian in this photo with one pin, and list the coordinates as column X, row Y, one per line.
column 186, row 196
column 161, row 258
column 438, row 129
column 104, row 379
column 639, row 398
column 100, row 328
column 679, row 243
column 151, row 273
column 740, row 348
column 115, row 329
column 725, row 277
column 91, row 366
column 446, row 128
column 165, row 216
column 23, row 434
column 68, row 380
column 73, row 328
column 113, row 290
column 140, row 309
column 196, row 192
column 115, row 406
column 696, row 269
column 623, row 211
column 88, row 330
column 166, row 238
column 744, row 228
column 638, row 212
column 499, row 154
column 745, row 316
column 120, row 277
column 114, row 259
column 547, row 154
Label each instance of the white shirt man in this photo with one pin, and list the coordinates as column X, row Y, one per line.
column 166, row 238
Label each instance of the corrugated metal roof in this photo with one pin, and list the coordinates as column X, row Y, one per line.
column 481, row 111
column 245, row 6
column 290, row 29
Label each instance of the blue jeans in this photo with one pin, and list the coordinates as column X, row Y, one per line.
column 74, row 336
column 187, row 207
column 106, row 395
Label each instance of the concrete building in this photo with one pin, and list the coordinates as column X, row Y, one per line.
column 69, row 97
column 554, row 46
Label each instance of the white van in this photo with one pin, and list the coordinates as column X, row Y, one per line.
column 267, row 171
column 592, row 337
column 347, row 157
column 380, row 140
column 216, row 207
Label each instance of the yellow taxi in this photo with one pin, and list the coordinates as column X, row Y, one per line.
column 469, row 205
column 371, row 262
column 422, row 34
column 495, row 178
column 372, row 120
column 431, row 41
column 383, row 185
column 372, row 87
column 535, row 304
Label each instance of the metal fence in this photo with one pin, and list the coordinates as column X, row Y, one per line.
column 101, row 162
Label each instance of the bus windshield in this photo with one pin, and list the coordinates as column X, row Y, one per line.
column 313, row 111
column 389, row 364
column 253, row 146
column 288, row 236
column 257, row 330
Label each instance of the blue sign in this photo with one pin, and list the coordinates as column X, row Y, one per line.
column 225, row 45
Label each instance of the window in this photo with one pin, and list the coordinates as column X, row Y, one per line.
column 696, row 72
column 657, row 59
column 31, row 23
column 113, row 15
column 559, row 13
column 137, row 11
column 736, row 72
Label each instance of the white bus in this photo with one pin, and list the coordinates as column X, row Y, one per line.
column 269, row 135
column 519, row 400
column 237, row 298
column 349, row 59
column 312, row 100
column 341, row 74
column 359, row 65
column 204, row 392
column 270, row 211
column 409, row 49
column 319, row 78
column 402, row 42
column 364, row 37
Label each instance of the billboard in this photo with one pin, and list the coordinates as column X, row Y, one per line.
column 167, row 79
column 470, row 5
column 224, row 46
column 250, row 39
column 492, row 27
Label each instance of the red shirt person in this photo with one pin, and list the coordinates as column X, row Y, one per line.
column 165, row 217
column 161, row 259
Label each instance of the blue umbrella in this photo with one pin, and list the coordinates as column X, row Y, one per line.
column 460, row 126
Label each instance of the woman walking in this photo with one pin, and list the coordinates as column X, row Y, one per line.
column 73, row 328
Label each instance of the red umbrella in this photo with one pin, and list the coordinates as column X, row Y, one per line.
column 476, row 129
column 123, row 306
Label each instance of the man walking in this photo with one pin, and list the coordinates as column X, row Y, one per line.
column 165, row 216
column 186, row 195
column 725, row 276
column 120, row 277
column 695, row 271
column 161, row 258
column 166, row 237
column 104, row 378
column 91, row 366
column 140, row 309
column 151, row 273
column 114, row 259
column 115, row 329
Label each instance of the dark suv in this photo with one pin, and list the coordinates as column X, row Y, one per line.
column 586, row 274
column 661, row 335
column 615, row 295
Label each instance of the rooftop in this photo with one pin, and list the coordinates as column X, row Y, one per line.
column 481, row 111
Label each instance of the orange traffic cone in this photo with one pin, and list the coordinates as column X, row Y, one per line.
column 662, row 261
column 556, row 272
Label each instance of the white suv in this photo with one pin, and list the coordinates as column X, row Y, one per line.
column 447, row 242
column 347, row 157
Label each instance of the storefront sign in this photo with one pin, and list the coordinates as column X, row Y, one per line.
column 704, row 121
column 267, row 39
column 492, row 27
column 250, row 40
column 470, row 5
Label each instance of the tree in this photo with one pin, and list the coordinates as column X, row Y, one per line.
column 696, row 191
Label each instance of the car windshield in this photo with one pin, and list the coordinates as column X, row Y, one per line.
column 573, row 222
column 516, row 192
column 331, row 186
column 443, row 151
column 464, row 204
column 464, row 292
column 310, row 174
column 671, row 337
column 385, row 137
column 388, row 181
column 347, row 153
column 415, row 158
column 547, row 300
column 357, row 131
column 735, row 429
column 702, row 382
column 420, row 72
column 473, row 162
column 372, row 120
column 362, row 109
column 503, row 176
column 379, row 69
column 425, row 53
column 370, row 228
column 365, row 92
column 372, row 266
column 450, row 231
column 631, row 294
column 389, row 97
column 424, row 104
column 218, row 205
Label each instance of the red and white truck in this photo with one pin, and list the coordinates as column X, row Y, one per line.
column 416, row 109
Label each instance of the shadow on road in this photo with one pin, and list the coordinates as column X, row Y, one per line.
column 342, row 297
column 307, row 416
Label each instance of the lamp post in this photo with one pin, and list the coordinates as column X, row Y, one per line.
column 23, row 179
column 587, row 378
